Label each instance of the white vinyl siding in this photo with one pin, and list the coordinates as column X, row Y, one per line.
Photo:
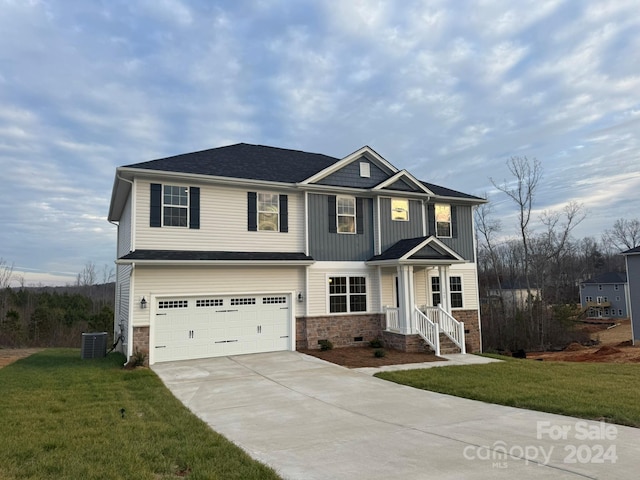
column 318, row 287
column 223, row 224
column 124, row 230
column 176, row 281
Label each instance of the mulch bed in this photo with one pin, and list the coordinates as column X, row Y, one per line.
column 355, row 357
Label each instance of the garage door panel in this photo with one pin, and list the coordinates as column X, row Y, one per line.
column 210, row 326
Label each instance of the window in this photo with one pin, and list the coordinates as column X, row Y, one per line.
column 435, row 291
column 620, row 312
column 175, row 206
column 347, row 294
column 617, row 298
column 443, row 220
column 268, row 212
column 346, row 213
column 616, row 287
column 588, row 299
column 455, row 285
column 400, row 209
column 599, row 287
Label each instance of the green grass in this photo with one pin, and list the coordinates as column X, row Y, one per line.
column 596, row 391
column 60, row 417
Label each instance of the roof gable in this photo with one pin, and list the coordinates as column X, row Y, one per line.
column 418, row 250
column 403, row 181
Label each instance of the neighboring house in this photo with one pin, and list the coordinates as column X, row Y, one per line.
column 632, row 260
column 248, row 248
column 514, row 293
column 605, row 296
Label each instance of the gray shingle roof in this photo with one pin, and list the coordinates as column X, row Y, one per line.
column 242, row 160
column 609, row 277
column 259, row 162
column 401, row 248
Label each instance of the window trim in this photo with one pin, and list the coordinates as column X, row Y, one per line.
column 164, row 205
column 354, row 215
column 259, row 212
column 348, row 292
column 434, row 291
column 450, row 221
column 399, row 199
column 456, row 292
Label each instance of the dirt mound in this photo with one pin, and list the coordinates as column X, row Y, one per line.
column 607, row 350
column 574, row 347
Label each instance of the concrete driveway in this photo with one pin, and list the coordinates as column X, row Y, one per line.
column 310, row 419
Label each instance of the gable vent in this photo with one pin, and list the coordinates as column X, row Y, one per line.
column 365, row 169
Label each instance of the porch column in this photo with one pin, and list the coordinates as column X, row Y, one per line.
column 406, row 298
column 443, row 272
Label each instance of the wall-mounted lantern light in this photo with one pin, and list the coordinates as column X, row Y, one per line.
column 143, row 303
column 300, row 297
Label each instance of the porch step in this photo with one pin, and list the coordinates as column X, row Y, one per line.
column 447, row 346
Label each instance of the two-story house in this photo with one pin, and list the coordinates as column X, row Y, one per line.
column 248, row 248
column 605, row 296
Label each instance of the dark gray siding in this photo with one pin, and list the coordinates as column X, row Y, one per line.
column 349, row 176
column 325, row 246
column 402, row 186
column 462, row 241
column 393, row 231
column 617, row 298
column 633, row 278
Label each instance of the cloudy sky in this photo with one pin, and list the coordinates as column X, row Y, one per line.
column 449, row 90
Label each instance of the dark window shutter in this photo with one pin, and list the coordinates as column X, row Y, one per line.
column 454, row 221
column 252, row 208
column 359, row 215
column 431, row 217
column 155, row 214
column 284, row 213
column 194, row 207
column 333, row 227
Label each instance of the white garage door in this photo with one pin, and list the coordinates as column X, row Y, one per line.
column 214, row 326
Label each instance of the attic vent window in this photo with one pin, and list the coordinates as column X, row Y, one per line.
column 365, row 169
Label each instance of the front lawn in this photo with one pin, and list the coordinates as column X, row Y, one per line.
column 599, row 391
column 66, row 418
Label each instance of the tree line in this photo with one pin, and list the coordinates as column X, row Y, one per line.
column 44, row 316
column 543, row 261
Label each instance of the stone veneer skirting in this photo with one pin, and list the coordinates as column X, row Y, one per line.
column 341, row 330
column 352, row 330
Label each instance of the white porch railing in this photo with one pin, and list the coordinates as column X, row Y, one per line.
column 393, row 318
column 428, row 330
column 451, row 327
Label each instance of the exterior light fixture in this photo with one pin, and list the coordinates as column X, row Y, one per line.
column 300, row 297
column 143, row 303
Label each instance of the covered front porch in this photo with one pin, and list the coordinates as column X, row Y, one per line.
column 415, row 290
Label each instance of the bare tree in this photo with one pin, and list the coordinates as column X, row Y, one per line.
column 6, row 274
column 624, row 235
column 87, row 276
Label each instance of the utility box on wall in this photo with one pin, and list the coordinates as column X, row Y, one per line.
column 94, row 345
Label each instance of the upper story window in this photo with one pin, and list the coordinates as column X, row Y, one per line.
column 268, row 211
column 616, row 287
column 443, row 220
column 346, row 214
column 400, row 209
column 175, row 206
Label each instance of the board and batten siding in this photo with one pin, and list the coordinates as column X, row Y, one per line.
column 392, row 231
column 462, row 244
column 326, row 246
column 349, row 176
column 208, row 280
column 223, row 223
column 318, row 289
column 633, row 281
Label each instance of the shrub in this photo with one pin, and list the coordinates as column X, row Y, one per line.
column 325, row 345
column 379, row 353
column 376, row 343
